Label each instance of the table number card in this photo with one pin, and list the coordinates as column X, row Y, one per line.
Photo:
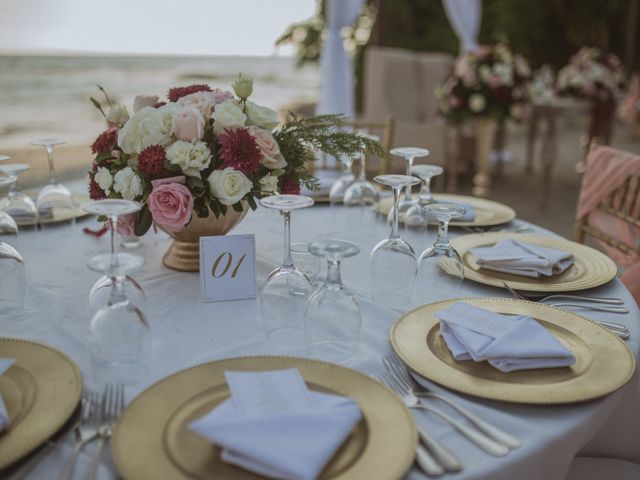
column 227, row 267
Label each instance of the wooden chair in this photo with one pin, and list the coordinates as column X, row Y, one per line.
column 385, row 131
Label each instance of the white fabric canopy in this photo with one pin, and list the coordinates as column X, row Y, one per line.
column 336, row 89
column 464, row 16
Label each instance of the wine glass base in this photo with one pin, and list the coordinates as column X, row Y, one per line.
column 289, row 336
column 126, row 262
column 127, row 373
column 334, row 352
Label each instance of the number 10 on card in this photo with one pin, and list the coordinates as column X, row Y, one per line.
column 227, row 267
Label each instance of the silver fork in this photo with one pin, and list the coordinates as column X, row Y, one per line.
column 482, row 441
column 112, row 406
column 395, row 366
column 86, row 432
column 435, row 459
column 541, row 298
column 617, row 328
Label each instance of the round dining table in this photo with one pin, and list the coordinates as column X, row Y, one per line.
column 186, row 332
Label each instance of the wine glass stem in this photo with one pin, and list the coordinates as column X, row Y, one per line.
column 396, row 203
column 425, row 191
column 333, row 274
column 442, row 240
column 52, row 171
column 408, row 161
column 288, row 260
column 361, row 177
column 114, row 245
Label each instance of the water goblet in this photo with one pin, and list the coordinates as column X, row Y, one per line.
column 416, row 215
column 336, row 193
column 53, row 195
column 409, row 154
column 12, row 272
column 17, row 204
column 7, row 223
column 284, row 294
column 332, row 316
column 307, row 263
column 362, row 193
column 392, row 262
column 440, row 267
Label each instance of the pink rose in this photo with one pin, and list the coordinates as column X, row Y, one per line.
column 269, row 149
column 203, row 101
column 142, row 101
column 189, row 124
column 170, row 204
column 220, row 95
column 126, row 225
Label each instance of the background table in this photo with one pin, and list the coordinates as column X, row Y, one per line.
column 187, row 332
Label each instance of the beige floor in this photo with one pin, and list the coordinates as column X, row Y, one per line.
column 514, row 188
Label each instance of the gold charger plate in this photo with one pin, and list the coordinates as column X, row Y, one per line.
column 591, row 268
column 61, row 214
column 41, row 390
column 152, row 439
column 488, row 212
column 604, row 363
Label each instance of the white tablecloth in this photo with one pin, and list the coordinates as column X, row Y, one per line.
column 187, row 332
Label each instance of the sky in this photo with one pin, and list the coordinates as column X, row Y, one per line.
column 195, row 27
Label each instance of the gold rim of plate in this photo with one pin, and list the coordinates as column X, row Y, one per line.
column 62, row 214
column 488, row 212
column 41, row 391
column 604, row 363
column 591, row 268
column 154, row 425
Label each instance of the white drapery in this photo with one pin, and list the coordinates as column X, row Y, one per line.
column 464, row 17
column 336, row 89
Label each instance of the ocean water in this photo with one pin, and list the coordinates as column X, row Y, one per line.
column 48, row 96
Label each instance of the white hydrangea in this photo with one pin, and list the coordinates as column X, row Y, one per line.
column 269, row 184
column 104, row 179
column 127, row 183
column 190, row 157
column 148, row 126
column 227, row 114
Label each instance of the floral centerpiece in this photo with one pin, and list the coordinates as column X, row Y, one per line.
column 206, row 153
column 591, row 74
column 205, row 148
column 490, row 81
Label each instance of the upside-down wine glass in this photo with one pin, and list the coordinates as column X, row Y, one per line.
column 12, row 272
column 362, row 193
column 53, row 195
column 115, row 265
column 392, row 262
column 440, row 267
column 332, row 317
column 417, row 215
column 17, row 204
column 284, row 294
column 409, row 154
column 336, row 193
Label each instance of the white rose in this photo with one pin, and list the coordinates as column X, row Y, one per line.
column 261, row 116
column 118, row 115
column 104, row 179
column 229, row 185
column 203, row 101
column 127, row 183
column 148, row 126
column 269, row 184
column 269, row 148
column 226, row 115
column 190, row 157
column 142, row 101
column 477, row 103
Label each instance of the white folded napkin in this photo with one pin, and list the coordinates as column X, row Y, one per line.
column 520, row 258
column 274, row 426
column 508, row 343
column 5, row 363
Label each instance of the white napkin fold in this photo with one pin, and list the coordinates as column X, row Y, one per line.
column 508, row 343
column 520, row 258
column 274, row 426
column 5, row 363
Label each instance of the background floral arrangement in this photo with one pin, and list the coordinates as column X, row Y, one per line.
column 591, row 74
column 490, row 81
column 208, row 149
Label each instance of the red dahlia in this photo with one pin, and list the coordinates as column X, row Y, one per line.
column 105, row 142
column 95, row 192
column 238, row 149
column 151, row 161
column 179, row 92
column 289, row 185
column 158, row 105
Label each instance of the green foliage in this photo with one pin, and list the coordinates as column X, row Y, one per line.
column 143, row 221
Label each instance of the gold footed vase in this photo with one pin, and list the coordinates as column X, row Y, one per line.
column 184, row 253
